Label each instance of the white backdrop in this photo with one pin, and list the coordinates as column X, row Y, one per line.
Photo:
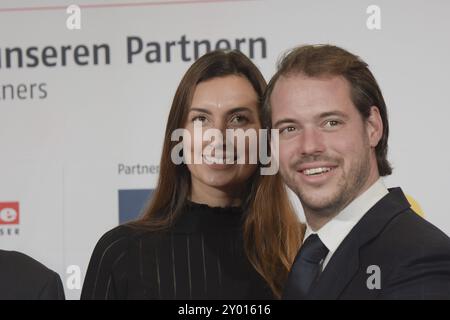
column 61, row 145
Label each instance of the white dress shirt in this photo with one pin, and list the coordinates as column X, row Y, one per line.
column 335, row 230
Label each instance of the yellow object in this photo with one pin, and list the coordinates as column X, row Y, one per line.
column 415, row 206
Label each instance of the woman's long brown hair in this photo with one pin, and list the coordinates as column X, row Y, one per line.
column 272, row 232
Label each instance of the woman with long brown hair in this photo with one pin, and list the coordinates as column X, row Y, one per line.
column 212, row 229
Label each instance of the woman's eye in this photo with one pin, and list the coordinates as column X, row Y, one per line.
column 199, row 118
column 239, row 119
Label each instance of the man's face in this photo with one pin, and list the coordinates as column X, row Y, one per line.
column 326, row 149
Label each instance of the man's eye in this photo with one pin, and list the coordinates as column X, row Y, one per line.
column 287, row 129
column 332, row 123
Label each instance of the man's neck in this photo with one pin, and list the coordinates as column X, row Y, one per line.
column 317, row 219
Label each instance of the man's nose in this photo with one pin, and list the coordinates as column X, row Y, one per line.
column 311, row 142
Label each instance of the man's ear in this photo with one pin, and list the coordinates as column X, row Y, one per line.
column 374, row 126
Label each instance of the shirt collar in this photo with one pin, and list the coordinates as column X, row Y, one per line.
column 335, row 230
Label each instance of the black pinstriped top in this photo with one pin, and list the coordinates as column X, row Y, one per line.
column 200, row 257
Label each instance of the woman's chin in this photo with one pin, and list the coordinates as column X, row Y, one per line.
column 232, row 178
column 220, row 182
column 223, row 180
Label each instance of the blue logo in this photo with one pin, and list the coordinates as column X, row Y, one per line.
column 132, row 202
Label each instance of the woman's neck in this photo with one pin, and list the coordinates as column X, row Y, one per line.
column 213, row 197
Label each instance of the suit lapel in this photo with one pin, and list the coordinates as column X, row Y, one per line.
column 344, row 263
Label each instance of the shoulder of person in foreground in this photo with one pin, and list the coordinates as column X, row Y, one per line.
column 420, row 259
column 108, row 253
column 22, row 277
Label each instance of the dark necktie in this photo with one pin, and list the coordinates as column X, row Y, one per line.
column 305, row 269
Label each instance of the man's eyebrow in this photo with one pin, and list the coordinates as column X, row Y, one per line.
column 282, row 121
column 320, row 116
column 332, row 113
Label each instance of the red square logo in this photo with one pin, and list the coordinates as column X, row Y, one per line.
column 9, row 213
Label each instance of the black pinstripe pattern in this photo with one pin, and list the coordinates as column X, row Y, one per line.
column 200, row 257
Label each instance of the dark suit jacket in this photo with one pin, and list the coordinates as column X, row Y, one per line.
column 413, row 257
column 22, row 277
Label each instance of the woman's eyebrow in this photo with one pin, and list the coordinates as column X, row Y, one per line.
column 234, row 110
column 239, row 109
column 200, row 110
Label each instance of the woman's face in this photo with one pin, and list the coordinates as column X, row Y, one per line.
column 222, row 103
